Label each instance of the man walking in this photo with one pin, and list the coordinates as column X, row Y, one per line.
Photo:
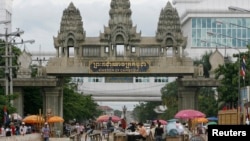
column 45, row 132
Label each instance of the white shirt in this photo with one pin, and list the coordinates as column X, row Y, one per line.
column 23, row 129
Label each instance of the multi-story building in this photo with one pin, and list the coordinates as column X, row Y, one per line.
column 5, row 15
column 210, row 24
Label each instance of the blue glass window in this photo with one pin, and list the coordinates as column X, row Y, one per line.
column 194, row 23
column 228, row 32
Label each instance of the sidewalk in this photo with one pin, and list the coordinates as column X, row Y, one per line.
column 37, row 137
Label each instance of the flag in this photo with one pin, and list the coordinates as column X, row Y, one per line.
column 243, row 67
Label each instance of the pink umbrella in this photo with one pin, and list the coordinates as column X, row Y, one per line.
column 105, row 118
column 189, row 114
column 163, row 122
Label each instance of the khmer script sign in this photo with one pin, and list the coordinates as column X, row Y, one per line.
column 119, row 66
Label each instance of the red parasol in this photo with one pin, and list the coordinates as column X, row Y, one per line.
column 163, row 122
column 105, row 118
column 189, row 114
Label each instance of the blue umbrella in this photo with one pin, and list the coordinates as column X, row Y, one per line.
column 211, row 123
column 172, row 120
column 212, row 118
column 173, row 130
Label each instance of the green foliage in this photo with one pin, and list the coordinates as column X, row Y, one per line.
column 33, row 100
column 118, row 113
column 170, row 99
column 229, row 90
column 207, row 102
column 228, row 74
column 145, row 111
column 5, row 100
column 77, row 106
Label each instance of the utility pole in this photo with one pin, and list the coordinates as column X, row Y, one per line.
column 6, row 64
column 8, row 58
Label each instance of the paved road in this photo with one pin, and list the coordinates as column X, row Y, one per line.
column 103, row 138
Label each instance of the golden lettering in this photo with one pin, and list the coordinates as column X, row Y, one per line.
column 119, row 66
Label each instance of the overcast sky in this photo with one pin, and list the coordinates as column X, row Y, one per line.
column 40, row 20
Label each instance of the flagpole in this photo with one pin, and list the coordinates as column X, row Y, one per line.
column 239, row 80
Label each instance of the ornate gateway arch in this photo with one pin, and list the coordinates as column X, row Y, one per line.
column 120, row 50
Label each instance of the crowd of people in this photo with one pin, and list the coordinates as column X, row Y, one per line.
column 16, row 129
column 156, row 130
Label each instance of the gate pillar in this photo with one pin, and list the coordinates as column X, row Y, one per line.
column 18, row 102
column 187, row 98
column 53, row 101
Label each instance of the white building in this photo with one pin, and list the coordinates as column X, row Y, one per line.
column 230, row 29
column 5, row 15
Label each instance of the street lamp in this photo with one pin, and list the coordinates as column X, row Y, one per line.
column 223, row 22
column 4, row 22
column 215, row 34
column 234, row 8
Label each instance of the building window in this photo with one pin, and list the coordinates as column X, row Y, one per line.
column 149, row 51
column 141, row 79
column 161, row 79
column 106, row 49
column 77, row 79
column 95, row 79
column 120, row 51
column 233, row 32
column 91, row 51
column 133, row 49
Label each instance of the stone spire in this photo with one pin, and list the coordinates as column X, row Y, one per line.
column 120, row 24
column 169, row 25
column 71, row 28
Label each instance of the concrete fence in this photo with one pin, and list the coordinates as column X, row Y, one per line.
column 31, row 137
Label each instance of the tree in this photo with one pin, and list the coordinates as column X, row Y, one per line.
column 78, row 106
column 228, row 74
column 145, row 111
column 228, row 91
column 170, row 99
column 207, row 102
column 118, row 113
column 33, row 100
